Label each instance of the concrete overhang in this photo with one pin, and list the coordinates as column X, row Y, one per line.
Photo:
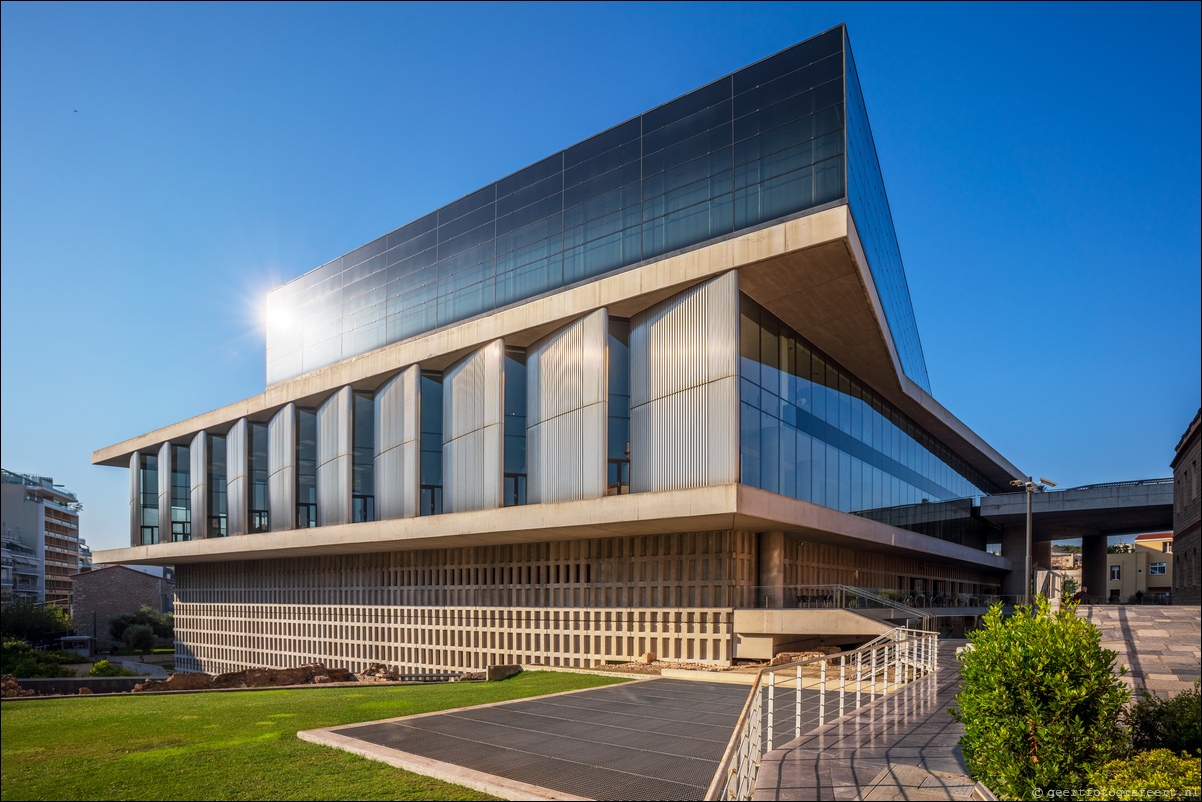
column 810, row 271
column 705, row 509
column 1062, row 514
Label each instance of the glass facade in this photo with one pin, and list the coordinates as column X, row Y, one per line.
column 514, row 489
column 260, row 516
column 363, row 489
column 306, row 469
column 181, row 494
column 218, row 511
column 618, row 446
column 431, row 443
column 811, row 430
column 870, row 209
column 148, row 495
column 760, row 144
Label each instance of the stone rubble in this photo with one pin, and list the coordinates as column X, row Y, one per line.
column 11, row 689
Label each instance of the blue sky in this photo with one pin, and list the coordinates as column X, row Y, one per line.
column 165, row 165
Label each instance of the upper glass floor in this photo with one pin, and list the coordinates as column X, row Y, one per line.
column 764, row 143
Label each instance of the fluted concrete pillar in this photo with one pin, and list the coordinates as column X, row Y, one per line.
column 165, row 467
column 237, row 478
column 198, row 480
column 135, row 500
column 473, row 408
column 281, row 469
column 335, row 458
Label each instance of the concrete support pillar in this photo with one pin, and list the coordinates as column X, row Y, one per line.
column 473, row 447
column 135, row 499
column 281, row 469
column 1041, row 554
column 237, row 478
column 1014, row 548
column 335, row 458
column 198, row 479
column 1093, row 566
column 165, row 468
column 771, row 575
column 398, row 443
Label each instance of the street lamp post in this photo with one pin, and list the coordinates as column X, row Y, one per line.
column 1029, row 485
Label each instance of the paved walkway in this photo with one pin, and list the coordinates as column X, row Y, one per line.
column 1160, row 645
column 902, row 746
column 652, row 739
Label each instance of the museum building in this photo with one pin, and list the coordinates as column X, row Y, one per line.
column 587, row 412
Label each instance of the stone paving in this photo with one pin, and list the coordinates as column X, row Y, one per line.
column 902, row 746
column 1160, row 645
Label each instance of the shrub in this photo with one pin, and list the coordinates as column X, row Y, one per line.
column 1174, row 724
column 1158, row 774
column 1039, row 702
column 32, row 622
column 106, row 669
column 20, row 659
column 118, row 624
column 140, row 637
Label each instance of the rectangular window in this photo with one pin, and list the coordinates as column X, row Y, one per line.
column 216, row 483
column 515, row 427
column 306, row 469
column 1116, row 572
column 258, row 478
column 148, row 491
column 431, row 443
column 1157, row 569
column 181, row 494
column 363, row 493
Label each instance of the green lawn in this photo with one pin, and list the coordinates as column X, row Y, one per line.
column 230, row 745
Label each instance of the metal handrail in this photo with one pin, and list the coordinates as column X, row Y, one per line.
column 913, row 655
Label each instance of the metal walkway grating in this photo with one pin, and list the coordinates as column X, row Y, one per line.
column 660, row 739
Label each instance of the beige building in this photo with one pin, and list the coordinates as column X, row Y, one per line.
column 1147, row 569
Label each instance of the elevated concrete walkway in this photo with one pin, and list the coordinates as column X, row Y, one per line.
column 902, row 746
column 1117, row 508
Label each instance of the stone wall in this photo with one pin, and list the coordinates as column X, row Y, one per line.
column 115, row 590
column 1187, row 512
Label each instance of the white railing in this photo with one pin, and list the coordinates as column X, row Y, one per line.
column 827, row 687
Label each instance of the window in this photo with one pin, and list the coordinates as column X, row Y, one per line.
column 1167, row 547
column 1157, row 569
column 1116, row 572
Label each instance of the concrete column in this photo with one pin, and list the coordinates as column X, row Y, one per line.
column 135, row 500
column 1093, row 566
column 771, row 574
column 281, row 469
column 398, row 442
column 335, row 458
column 1014, row 548
column 165, row 493
column 237, row 478
column 198, row 478
column 473, row 447
column 1041, row 554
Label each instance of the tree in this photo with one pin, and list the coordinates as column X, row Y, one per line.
column 140, row 637
column 163, row 625
column 32, row 622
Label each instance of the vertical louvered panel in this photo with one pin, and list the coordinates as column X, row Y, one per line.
column 165, row 468
column 567, row 412
column 397, row 423
column 198, row 456
column 281, row 468
column 684, row 389
column 473, row 405
column 335, row 460
column 135, row 502
column 237, row 477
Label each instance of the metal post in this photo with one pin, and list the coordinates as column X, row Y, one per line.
column 797, row 707
column 822, row 694
column 1030, row 521
column 771, row 708
column 842, row 681
column 897, row 659
column 859, row 676
column 872, row 677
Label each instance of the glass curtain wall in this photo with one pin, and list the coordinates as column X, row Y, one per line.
column 514, row 489
column 431, row 443
column 363, row 486
column 148, row 493
column 812, row 430
column 260, row 514
column 306, row 469
column 218, row 511
column 618, row 446
column 181, row 494
column 759, row 144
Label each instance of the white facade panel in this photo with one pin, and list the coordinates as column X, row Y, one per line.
column 335, row 458
column 198, row 480
column 473, row 406
column 684, row 354
column 398, row 421
column 281, row 469
column 165, row 493
column 237, row 478
column 135, row 503
column 567, row 397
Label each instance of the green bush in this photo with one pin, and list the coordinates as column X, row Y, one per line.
column 20, row 659
column 1174, row 724
column 106, row 669
column 1040, row 703
column 140, row 637
column 31, row 622
column 162, row 624
column 1158, row 774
